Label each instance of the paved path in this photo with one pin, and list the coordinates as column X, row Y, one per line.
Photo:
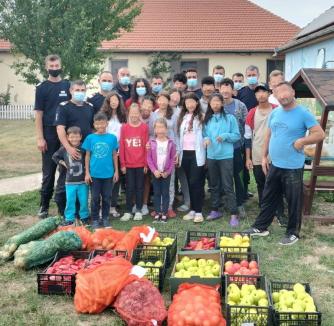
column 18, row 185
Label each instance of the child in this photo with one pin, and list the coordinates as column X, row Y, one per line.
column 101, row 168
column 132, row 151
column 160, row 159
column 192, row 153
column 75, row 185
column 113, row 108
column 220, row 131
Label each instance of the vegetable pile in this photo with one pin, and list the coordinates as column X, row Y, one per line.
column 203, row 243
column 101, row 259
column 66, row 265
column 141, row 304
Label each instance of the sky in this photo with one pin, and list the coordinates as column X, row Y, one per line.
column 299, row 12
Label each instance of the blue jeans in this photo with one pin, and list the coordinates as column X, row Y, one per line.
column 74, row 192
column 101, row 192
column 161, row 194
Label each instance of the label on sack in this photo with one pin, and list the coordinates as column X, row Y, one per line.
column 154, row 322
column 138, row 271
column 148, row 238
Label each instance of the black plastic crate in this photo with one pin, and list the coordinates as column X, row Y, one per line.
column 122, row 253
column 59, row 283
column 239, row 315
column 170, row 249
column 197, row 235
column 155, row 274
column 234, row 249
column 293, row 318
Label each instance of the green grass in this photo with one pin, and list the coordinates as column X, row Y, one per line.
column 310, row 260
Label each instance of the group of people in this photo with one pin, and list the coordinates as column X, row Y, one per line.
column 138, row 136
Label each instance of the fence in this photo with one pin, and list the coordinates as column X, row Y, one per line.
column 16, row 112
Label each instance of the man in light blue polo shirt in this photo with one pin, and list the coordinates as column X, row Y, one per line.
column 284, row 142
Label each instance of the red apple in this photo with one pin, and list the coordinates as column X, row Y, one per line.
column 244, row 263
column 237, row 266
column 229, row 270
column 229, row 263
column 253, row 264
column 254, row 271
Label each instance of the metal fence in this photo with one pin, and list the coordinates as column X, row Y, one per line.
column 16, row 112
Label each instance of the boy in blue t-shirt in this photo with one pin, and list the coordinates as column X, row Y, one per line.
column 101, row 168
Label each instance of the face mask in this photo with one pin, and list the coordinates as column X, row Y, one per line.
column 218, row 78
column 107, row 86
column 238, row 85
column 157, row 88
column 79, row 96
column 141, row 91
column 54, row 72
column 252, row 80
column 125, row 80
column 192, row 82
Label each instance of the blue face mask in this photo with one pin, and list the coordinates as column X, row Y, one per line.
column 125, row 80
column 218, row 78
column 79, row 96
column 157, row 88
column 238, row 85
column 141, row 91
column 192, row 83
column 106, row 86
column 252, row 80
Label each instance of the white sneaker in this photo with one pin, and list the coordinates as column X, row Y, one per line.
column 138, row 217
column 190, row 216
column 126, row 217
column 144, row 210
column 134, row 209
column 183, row 208
column 198, row 218
column 113, row 212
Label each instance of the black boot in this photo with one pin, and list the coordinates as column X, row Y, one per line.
column 43, row 212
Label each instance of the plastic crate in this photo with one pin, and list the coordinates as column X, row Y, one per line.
column 155, row 274
column 237, row 315
column 122, row 253
column 197, row 235
column 293, row 318
column 235, row 249
column 170, row 249
column 59, row 283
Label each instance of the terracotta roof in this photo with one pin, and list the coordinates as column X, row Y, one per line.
column 4, row 45
column 197, row 25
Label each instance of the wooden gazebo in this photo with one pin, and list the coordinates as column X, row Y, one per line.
column 318, row 84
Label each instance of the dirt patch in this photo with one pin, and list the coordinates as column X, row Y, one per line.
column 27, row 220
column 325, row 229
column 323, row 251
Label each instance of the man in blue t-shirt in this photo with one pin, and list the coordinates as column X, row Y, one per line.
column 284, row 142
column 49, row 94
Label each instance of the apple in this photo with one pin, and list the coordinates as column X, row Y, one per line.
column 253, row 264
column 141, row 263
column 216, row 270
column 179, row 266
column 210, row 262
column 193, row 263
column 149, row 264
column 228, row 263
column 244, row 263
column 263, row 303
column 201, row 262
column 229, row 270
column 158, row 263
column 185, row 259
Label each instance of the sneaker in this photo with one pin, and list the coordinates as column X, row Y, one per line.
column 214, row 215
column 257, row 232
column 134, row 209
column 282, row 221
column 85, row 221
column 164, row 219
column 183, row 208
column 106, row 223
column 289, row 240
column 234, row 221
column 241, row 211
column 153, row 213
column 67, row 223
column 43, row 212
column 126, row 217
column 113, row 212
column 190, row 216
column 156, row 218
column 171, row 213
column 198, row 218
column 144, row 210
column 96, row 224
column 138, row 217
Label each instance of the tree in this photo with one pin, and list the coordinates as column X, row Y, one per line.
column 74, row 29
column 160, row 64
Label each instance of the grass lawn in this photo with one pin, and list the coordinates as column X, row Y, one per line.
column 310, row 260
column 18, row 150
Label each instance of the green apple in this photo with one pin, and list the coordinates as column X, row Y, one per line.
column 193, row 270
column 234, row 295
column 246, row 301
column 209, row 275
column 263, row 303
column 186, row 274
column 310, row 308
column 261, row 293
column 193, row 263
column 158, row 263
column 185, row 258
column 201, row 262
column 299, row 288
column 149, row 264
column 187, row 265
column 179, row 266
column 210, row 262
column 275, row 296
column 216, row 270
column 232, row 287
column 141, row 263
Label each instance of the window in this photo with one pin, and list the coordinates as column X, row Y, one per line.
column 320, row 63
column 115, row 65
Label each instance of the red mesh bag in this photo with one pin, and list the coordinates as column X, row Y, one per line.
column 196, row 304
column 141, row 304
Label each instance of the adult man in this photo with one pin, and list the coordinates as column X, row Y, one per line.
column 218, row 73
column 238, row 80
column 180, row 82
column 123, row 85
column 208, row 88
column 284, row 142
column 75, row 112
column 49, row 94
column 276, row 77
column 106, row 85
column 157, row 84
column 239, row 110
column 192, row 82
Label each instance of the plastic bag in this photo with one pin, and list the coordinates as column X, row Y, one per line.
column 141, row 304
column 106, row 239
column 196, row 304
column 97, row 288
